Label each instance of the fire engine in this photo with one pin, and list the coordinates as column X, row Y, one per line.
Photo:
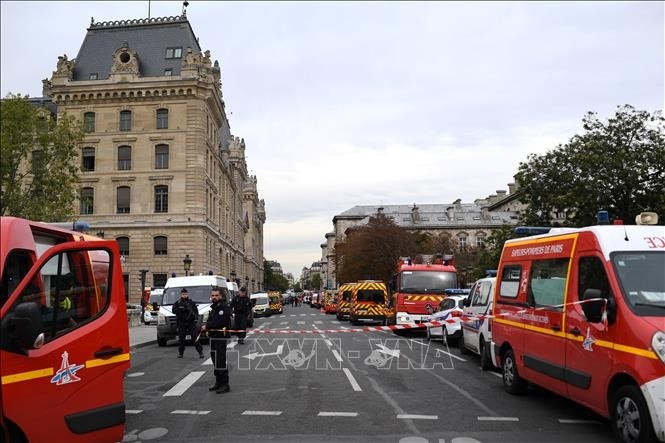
column 419, row 286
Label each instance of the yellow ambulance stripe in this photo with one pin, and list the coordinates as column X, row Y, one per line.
column 108, row 361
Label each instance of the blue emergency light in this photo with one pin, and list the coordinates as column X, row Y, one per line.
column 603, row 218
column 531, row 230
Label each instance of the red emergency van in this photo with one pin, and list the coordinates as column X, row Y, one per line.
column 581, row 312
column 64, row 340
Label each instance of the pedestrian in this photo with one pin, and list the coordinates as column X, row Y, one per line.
column 218, row 322
column 186, row 313
column 241, row 306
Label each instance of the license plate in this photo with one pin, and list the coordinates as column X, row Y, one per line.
column 188, row 337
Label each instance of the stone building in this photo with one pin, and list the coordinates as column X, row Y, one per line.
column 161, row 171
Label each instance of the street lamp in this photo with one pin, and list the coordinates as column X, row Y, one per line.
column 187, row 264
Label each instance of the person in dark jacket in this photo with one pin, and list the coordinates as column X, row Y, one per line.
column 218, row 322
column 242, row 307
column 186, row 314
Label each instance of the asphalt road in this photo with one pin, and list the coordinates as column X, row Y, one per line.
column 340, row 387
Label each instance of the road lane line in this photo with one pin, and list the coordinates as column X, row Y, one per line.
column 184, row 384
column 328, row 343
column 133, row 411
column 498, row 419
column 337, row 356
column 262, row 413
column 337, row 414
column 187, row 412
column 418, row 417
column 352, row 380
column 570, row 421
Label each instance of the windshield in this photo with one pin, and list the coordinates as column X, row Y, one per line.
column 200, row 294
column 641, row 279
column 155, row 298
column 261, row 300
column 427, row 281
column 372, row 295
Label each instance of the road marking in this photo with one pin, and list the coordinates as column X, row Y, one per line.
column 318, row 322
column 498, row 419
column 303, row 315
column 283, row 323
column 301, row 322
column 328, row 343
column 441, row 351
column 262, row 413
column 418, row 417
column 337, row 356
column 136, row 374
column 570, row 421
column 133, row 411
column 208, row 361
column 337, row 414
column 496, row 373
column 231, row 345
column 184, row 384
column 352, row 380
column 186, row 412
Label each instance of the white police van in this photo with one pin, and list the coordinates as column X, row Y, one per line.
column 198, row 287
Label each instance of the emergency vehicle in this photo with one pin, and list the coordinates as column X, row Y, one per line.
column 329, row 302
column 64, row 340
column 581, row 312
column 369, row 300
column 476, row 326
column 275, row 302
column 344, row 301
column 419, row 286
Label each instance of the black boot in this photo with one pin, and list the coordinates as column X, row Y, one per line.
column 213, row 387
column 222, row 389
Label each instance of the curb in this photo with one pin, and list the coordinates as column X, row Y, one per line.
column 142, row 345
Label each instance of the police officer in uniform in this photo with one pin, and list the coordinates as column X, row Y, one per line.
column 241, row 306
column 186, row 314
column 218, row 321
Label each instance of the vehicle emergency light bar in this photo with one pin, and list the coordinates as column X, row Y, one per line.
column 531, row 230
column 76, row 225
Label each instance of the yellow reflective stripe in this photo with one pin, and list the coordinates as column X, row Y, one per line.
column 107, row 361
column 23, row 376
column 544, row 240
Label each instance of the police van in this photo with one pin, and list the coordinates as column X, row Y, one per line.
column 198, row 287
column 476, row 331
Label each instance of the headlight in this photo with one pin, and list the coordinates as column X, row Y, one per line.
column 161, row 319
column 658, row 344
column 404, row 319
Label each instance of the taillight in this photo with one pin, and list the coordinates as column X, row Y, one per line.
column 456, row 314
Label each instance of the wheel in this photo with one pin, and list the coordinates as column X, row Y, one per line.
column 629, row 416
column 512, row 382
column 485, row 358
column 161, row 341
column 462, row 347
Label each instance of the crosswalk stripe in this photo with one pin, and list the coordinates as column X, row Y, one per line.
column 498, row 419
column 337, row 414
column 133, row 411
column 262, row 413
column 187, row 412
column 418, row 417
column 184, row 384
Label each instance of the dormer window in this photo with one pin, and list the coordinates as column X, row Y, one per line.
column 93, row 76
column 173, row 53
column 168, row 72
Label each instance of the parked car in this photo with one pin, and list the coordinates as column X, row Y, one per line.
column 152, row 308
column 450, row 311
column 476, row 332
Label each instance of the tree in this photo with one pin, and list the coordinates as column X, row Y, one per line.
column 296, row 287
column 617, row 166
column 39, row 161
column 315, row 281
column 372, row 251
column 491, row 252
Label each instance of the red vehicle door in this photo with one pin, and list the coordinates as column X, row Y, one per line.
column 68, row 384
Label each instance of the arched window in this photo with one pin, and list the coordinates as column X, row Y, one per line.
column 123, row 245
column 124, row 158
column 162, row 119
column 87, row 200
column 88, row 159
column 161, row 245
column 161, row 198
column 125, row 120
column 162, row 157
column 89, row 122
column 123, row 199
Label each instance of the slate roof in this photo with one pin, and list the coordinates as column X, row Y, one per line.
column 148, row 37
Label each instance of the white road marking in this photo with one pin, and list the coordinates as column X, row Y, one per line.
column 301, row 322
column 498, row 419
column 184, row 384
column 352, row 380
column 337, row 356
column 318, row 322
column 133, row 411
column 283, row 323
column 418, row 417
column 337, row 414
column 208, row 361
column 303, row 315
column 497, row 374
column 441, row 351
column 571, row 421
column 186, row 412
column 262, row 413
column 136, row 374
column 328, row 343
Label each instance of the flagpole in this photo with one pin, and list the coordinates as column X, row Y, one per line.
column 148, row 8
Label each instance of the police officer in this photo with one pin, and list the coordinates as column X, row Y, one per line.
column 218, row 321
column 241, row 306
column 186, row 314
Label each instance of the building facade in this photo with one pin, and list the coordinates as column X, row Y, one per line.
column 161, row 171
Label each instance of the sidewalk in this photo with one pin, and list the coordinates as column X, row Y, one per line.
column 142, row 335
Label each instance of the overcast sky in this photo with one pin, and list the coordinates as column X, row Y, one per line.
column 365, row 103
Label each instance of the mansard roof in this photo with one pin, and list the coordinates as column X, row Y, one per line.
column 148, row 37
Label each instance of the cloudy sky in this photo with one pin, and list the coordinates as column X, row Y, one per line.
column 362, row 103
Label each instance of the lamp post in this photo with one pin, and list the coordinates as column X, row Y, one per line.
column 246, row 281
column 187, row 264
column 252, row 285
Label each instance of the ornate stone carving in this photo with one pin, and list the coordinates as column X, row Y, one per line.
column 65, row 67
column 125, row 61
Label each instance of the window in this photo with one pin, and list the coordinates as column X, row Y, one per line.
column 87, row 200
column 160, row 245
column 88, row 159
column 510, row 281
column 122, row 200
column 548, row 282
column 462, row 243
column 89, row 122
column 162, row 119
column 125, row 120
column 124, row 158
column 173, row 52
column 161, row 198
column 480, row 241
column 159, row 280
column 37, row 161
column 592, row 275
column 168, row 72
column 162, row 157
column 93, row 76
column 123, row 245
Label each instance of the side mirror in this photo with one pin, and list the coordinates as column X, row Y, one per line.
column 593, row 310
column 467, row 302
column 25, row 326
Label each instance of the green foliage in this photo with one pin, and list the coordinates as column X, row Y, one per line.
column 489, row 256
column 315, row 281
column 39, row 161
column 617, row 166
column 296, row 287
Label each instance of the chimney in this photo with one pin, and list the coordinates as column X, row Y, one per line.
column 450, row 212
column 511, row 188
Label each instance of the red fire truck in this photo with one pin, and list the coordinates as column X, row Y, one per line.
column 419, row 285
column 64, row 340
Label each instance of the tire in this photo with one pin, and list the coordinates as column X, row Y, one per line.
column 462, row 347
column 161, row 341
column 485, row 358
column 629, row 416
column 512, row 382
